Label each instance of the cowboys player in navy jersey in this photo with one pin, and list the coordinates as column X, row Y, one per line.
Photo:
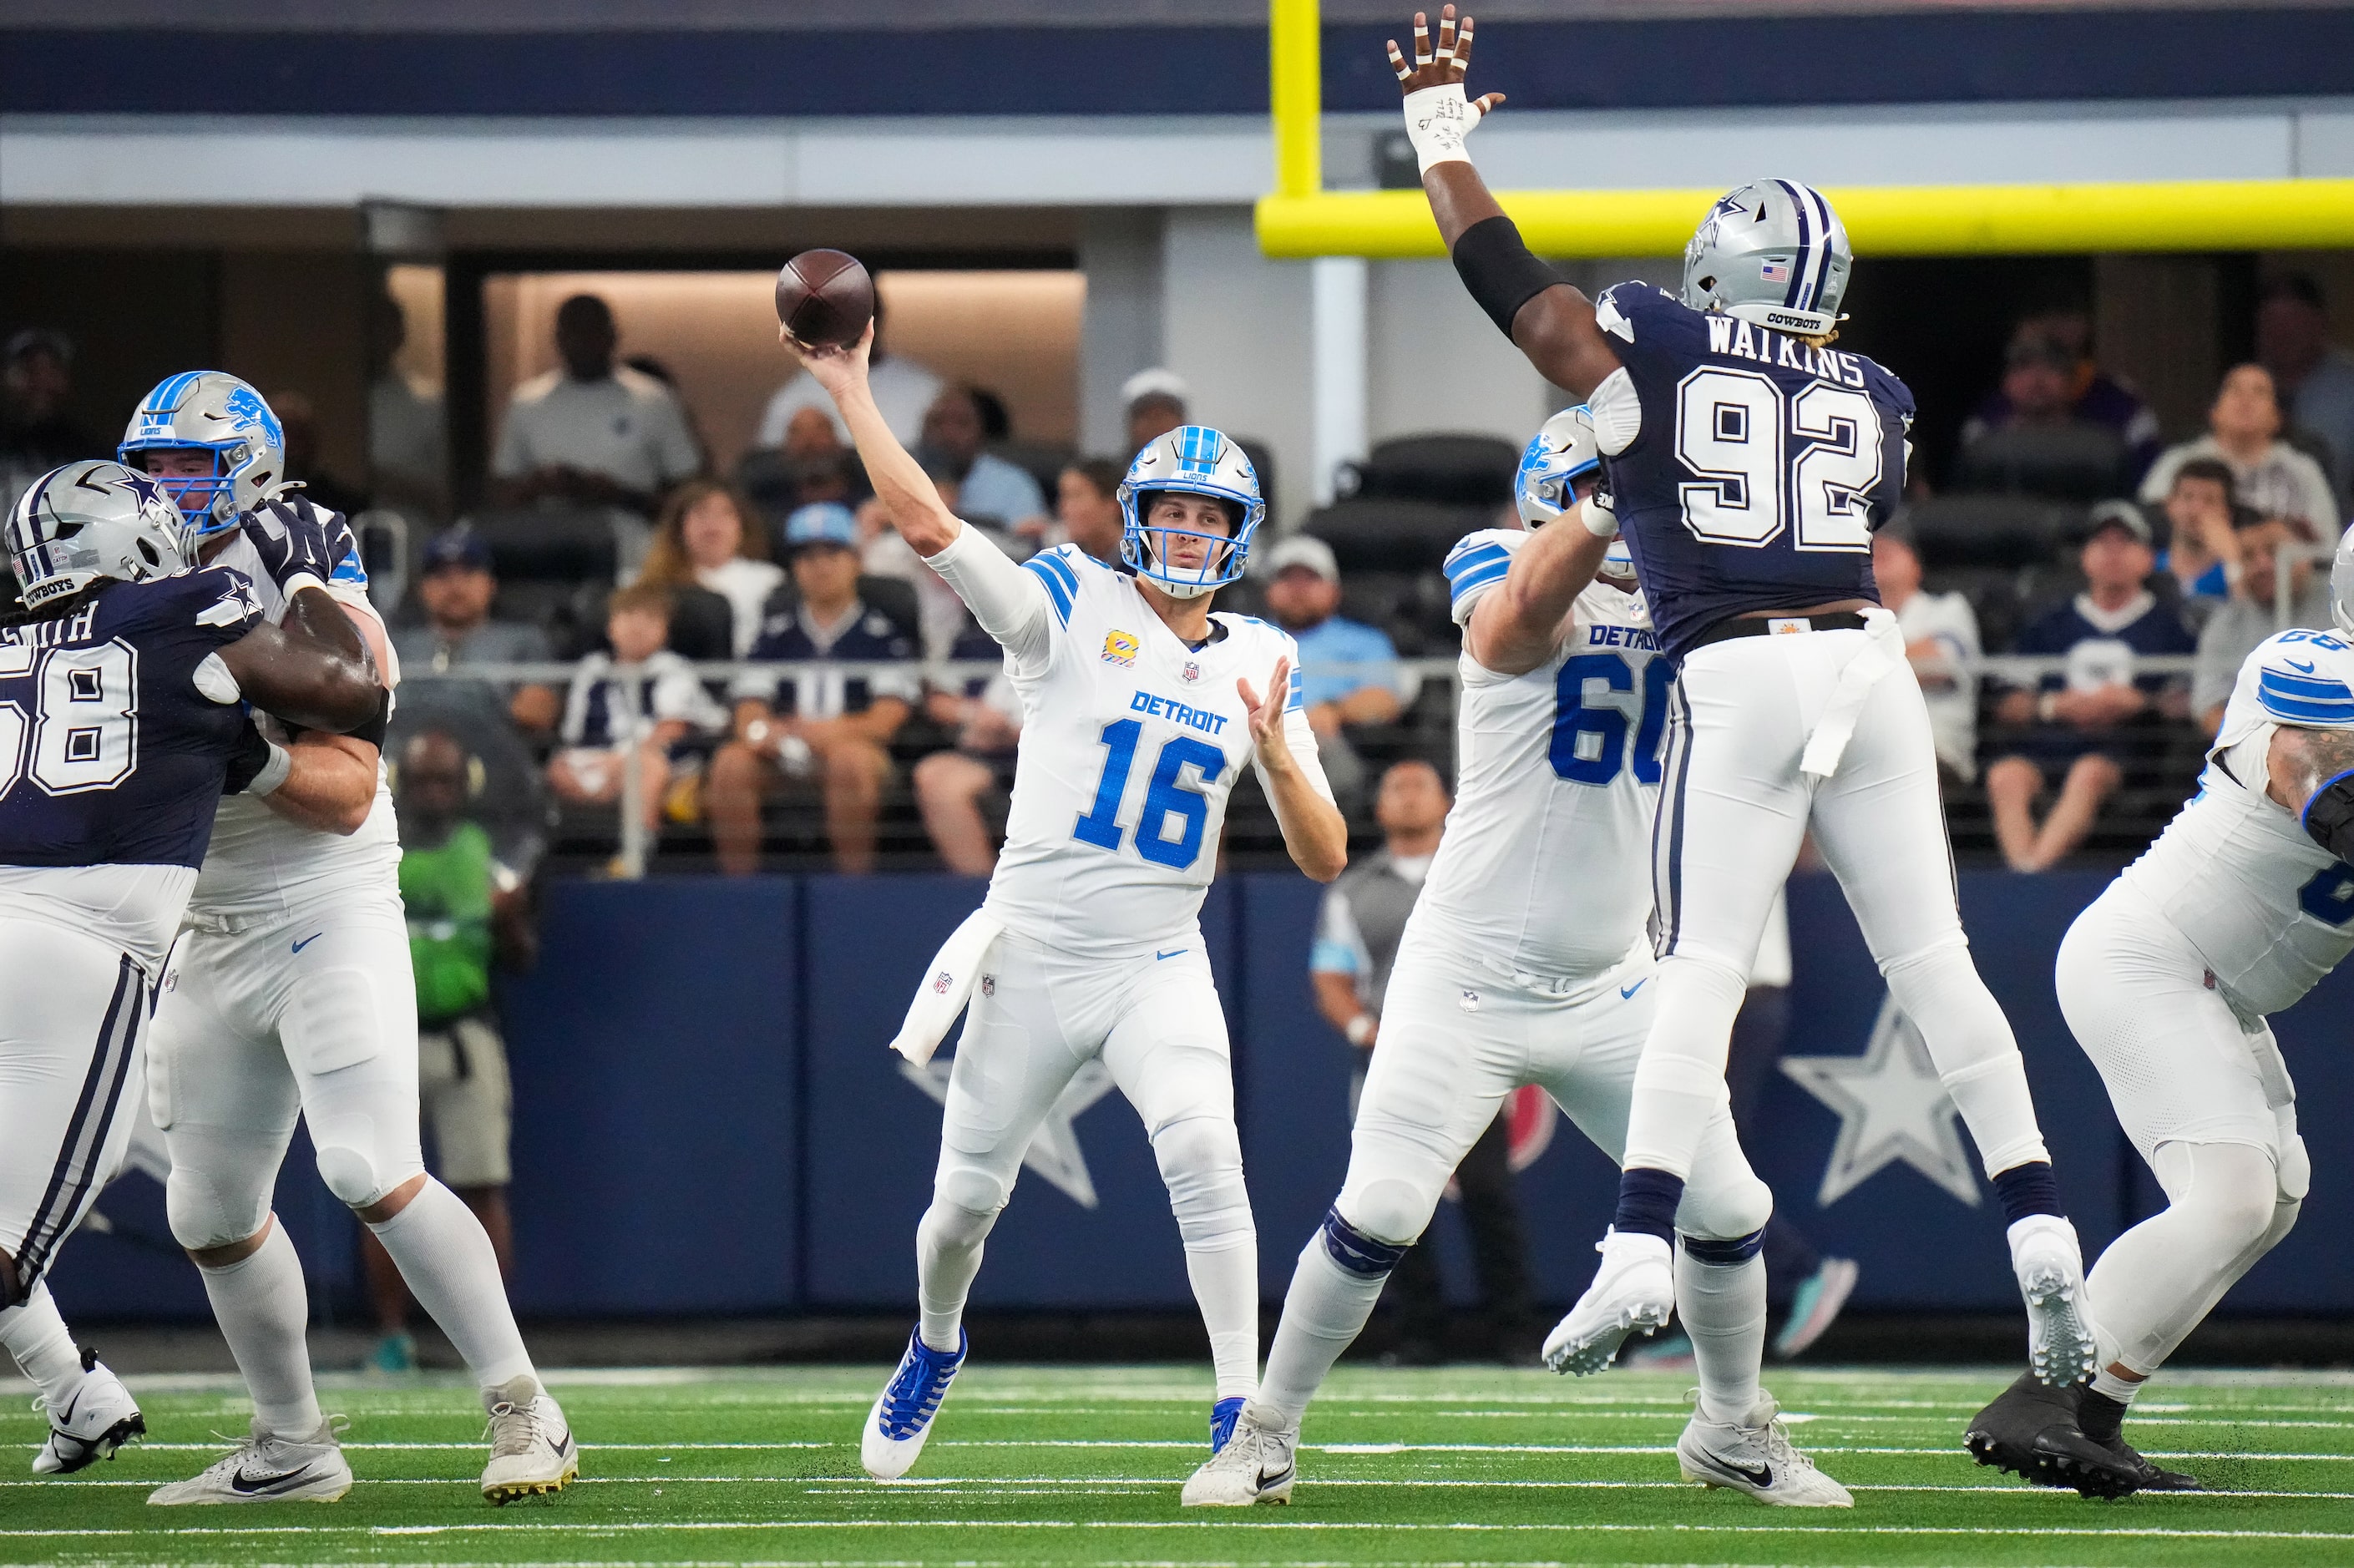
column 1749, row 461
column 122, row 692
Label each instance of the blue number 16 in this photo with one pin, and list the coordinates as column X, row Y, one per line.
column 1599, row 761
column 1164, row 799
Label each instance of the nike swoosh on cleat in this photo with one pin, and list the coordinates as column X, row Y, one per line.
column 308, row 940
column 1762, row 1476
column 1266, row 1481
column 244, row 1483
column 1631, row 990
column 1171, row 954
column 67, row 1414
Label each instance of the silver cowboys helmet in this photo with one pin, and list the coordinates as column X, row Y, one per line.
column 214, row 411
column 1197, row 461
column 1772, row 252
column 2342, row 584
column 1561, row 453
column 92, row 520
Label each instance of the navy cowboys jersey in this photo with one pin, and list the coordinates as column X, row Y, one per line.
column 111, row 752
column 1747, row 467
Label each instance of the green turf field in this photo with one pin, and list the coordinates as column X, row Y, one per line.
column 1034, row 1465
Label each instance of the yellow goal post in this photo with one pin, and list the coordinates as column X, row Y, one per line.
column 1300, row 218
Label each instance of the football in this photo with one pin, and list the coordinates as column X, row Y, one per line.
column 824, row 299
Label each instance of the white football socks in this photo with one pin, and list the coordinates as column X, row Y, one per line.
column 264, row 1310
column 948, row 1256
column 1680, row 1077
column 44, row 1348
column 1225, row 1287
column 446, row 1257
column 2157, row 1281
column 1201, row 1161
column 1723, row 1311
column 1323, row 1312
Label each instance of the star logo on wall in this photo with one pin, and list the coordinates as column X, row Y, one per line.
column 1891, row 1106
column 1054, row 1152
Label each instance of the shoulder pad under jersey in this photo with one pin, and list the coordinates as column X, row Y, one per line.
column 1478, row 563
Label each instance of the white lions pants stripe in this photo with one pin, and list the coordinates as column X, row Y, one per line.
column 71, row 1012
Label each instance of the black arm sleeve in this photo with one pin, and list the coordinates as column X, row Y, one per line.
column 252, row 755
column 2329, row 816
column 1501, row 270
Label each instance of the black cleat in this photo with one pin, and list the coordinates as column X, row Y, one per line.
column 2153, row 1478
column 2030, row 1430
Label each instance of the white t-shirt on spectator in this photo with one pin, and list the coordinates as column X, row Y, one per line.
column 1948, row 620
column 745, row 584
column 2284, row 483
column 628, row 427
column 903, row 391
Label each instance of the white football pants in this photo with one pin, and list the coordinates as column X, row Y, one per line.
column 2208, row 1102
column 1036, row 1018
column 1734, row 807
column 309, row 1014
column 73, row 1012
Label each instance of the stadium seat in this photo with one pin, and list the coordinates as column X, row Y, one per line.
column 2077, row 463
column 1383, row 533
column 1452, row 469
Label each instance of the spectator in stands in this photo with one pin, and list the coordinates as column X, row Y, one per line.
column 646, row 365
column 2253, row 612
column 987, row 487
column 952, row 786
column 904, row 391
column 826, row 726
column 2313, row 376
column 639, row 700
column 408, row 440
column 466, row 912
column 1337, row 688
column 2272, row 477
column 1941, row 640
column 2050, row 371
column 1155, row 401
column 2199, row 514
column 36, row 433
column 592, row 433
column 455, row 588
column 811, row 433
column 2082, row 717
column 1087, row 509
column 298, row 418
column 711, row 538
column 1357, row 934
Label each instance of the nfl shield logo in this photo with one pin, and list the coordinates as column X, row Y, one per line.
column 988, row 985
column 1192, row 672
column 942, row 981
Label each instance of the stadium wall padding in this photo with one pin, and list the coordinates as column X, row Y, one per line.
column 707, row 1121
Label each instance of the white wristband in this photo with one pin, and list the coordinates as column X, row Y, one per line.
column 1596, row 514
column 297, row 583
column 1436, row 121
column 1360, row 1029
column 273, row 772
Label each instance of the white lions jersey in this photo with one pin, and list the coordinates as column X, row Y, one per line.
column 2269, row 909
column 1132, row 742
column 1546, row 865
column 258, row 861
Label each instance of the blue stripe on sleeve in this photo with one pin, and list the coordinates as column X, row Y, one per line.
column 1036, row 567
column 1061, row 568
column 1480, row 579
column 1294, row 703
column 1463, row 561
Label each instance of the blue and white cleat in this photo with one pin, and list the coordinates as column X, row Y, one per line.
column 1223, row 1416
column 902, row 1417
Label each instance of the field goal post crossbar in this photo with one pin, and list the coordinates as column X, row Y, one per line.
column 1299, row 219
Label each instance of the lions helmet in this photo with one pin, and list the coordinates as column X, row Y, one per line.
column 2342, row 584
column 1772, row 252
column 1197, row 461
column 92, row 520
column 1561, row 453
column 213, row 411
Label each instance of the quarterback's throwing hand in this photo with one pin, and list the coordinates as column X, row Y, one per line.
column 1266, row 716
column 835, row 369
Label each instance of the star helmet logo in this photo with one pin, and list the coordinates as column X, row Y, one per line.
column 942, row 981
column 988, row 985
column 1193, row 672
column 1119, row 648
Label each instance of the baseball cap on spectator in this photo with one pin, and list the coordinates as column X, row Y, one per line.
column 1303, row 550
column 821, row 523
column 2122, row 514
column 1157, row 381
column 456, row 547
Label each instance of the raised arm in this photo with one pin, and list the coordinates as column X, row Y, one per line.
column 1283, row 751
column 1517, row 626
column 1547, row 320
column 907, row 492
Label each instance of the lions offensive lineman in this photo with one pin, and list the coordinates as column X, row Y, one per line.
column 1140, row 710
column 1749, row 462
column 2242, row 905
column 121, row 724
column 1504, row 978
column 290, row 995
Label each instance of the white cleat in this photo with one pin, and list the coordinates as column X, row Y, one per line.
column 96, row 1419
column 1257, row 1464
column 1756, row 1457
column 1634, row 1288
column 532, row 1450
column 901, row 1419
column 2061, row 1333
column 267, row 1468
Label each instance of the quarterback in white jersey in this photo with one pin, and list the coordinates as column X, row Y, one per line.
column 2242, row 905
column 290, row 993
column 1140, row 710
column 1526, row 961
